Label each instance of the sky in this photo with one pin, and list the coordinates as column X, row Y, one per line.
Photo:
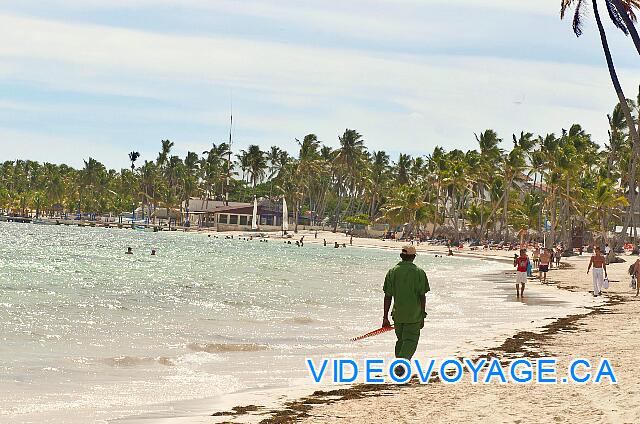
column 92, row 78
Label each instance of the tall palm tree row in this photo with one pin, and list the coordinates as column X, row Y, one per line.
column 548, row 183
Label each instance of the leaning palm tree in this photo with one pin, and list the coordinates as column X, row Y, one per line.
column 619, row 20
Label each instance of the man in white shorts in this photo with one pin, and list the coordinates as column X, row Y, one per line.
column 599, row 271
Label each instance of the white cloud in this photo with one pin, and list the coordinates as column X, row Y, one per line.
column 399, row 102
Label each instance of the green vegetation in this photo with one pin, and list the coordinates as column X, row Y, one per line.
column 566, row 179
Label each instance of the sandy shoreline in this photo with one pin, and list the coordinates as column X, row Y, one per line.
column 605, row 328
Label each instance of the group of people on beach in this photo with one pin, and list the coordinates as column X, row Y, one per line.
column 543, row 259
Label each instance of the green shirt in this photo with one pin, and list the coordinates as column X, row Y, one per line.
column 406, row 283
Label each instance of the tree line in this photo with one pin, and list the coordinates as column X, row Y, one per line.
column 557, row 181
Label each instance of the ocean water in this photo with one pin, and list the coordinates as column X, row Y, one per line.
column 90, row 334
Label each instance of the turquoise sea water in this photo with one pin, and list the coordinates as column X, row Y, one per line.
column 89, row 333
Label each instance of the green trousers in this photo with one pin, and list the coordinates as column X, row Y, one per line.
column 408, row 336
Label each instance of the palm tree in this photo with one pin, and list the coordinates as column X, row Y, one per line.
column 379, row 169
column 603, row 199
column 307, row 166
column 614, row 9
column 133, row 157
column 527, row 212
column 402, row 169
column 256, row 165
column 405, row 206
column 164, row 153
column 347, row 161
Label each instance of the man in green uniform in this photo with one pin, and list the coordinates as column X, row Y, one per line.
column 407, row 285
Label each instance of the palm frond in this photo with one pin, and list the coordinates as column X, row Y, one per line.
column 629, row 6
column 577, row 19
column 615, row 16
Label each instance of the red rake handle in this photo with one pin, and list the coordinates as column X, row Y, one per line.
column 374, row 333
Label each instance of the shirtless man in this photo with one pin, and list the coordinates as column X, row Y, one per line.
column 536, row 256
column 543, row 268
column 636, row 271
column 599, row 271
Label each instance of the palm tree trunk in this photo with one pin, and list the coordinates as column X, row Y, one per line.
column 567, row 220
column 481, row 198
column 552, row 237
column 493, row 212
column 454, row 210
column 337, row 212
column 625, row 109
column 505, row 211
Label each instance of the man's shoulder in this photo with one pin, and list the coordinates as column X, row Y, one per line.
column 420, row 270
column 394, row 268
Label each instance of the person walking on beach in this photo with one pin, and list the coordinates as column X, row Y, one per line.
column 407, row 285
column 599, row 265
column 543, row 268
column 636, row 274
column 522, row 264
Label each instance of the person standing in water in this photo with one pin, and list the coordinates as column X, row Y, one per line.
column 406, row 284
column 599, row 264
column 129, row 251
column 522, row 264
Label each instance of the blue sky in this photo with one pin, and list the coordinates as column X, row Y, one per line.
column 82, row 78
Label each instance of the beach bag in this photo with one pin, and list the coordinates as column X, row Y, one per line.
column 605, row 284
